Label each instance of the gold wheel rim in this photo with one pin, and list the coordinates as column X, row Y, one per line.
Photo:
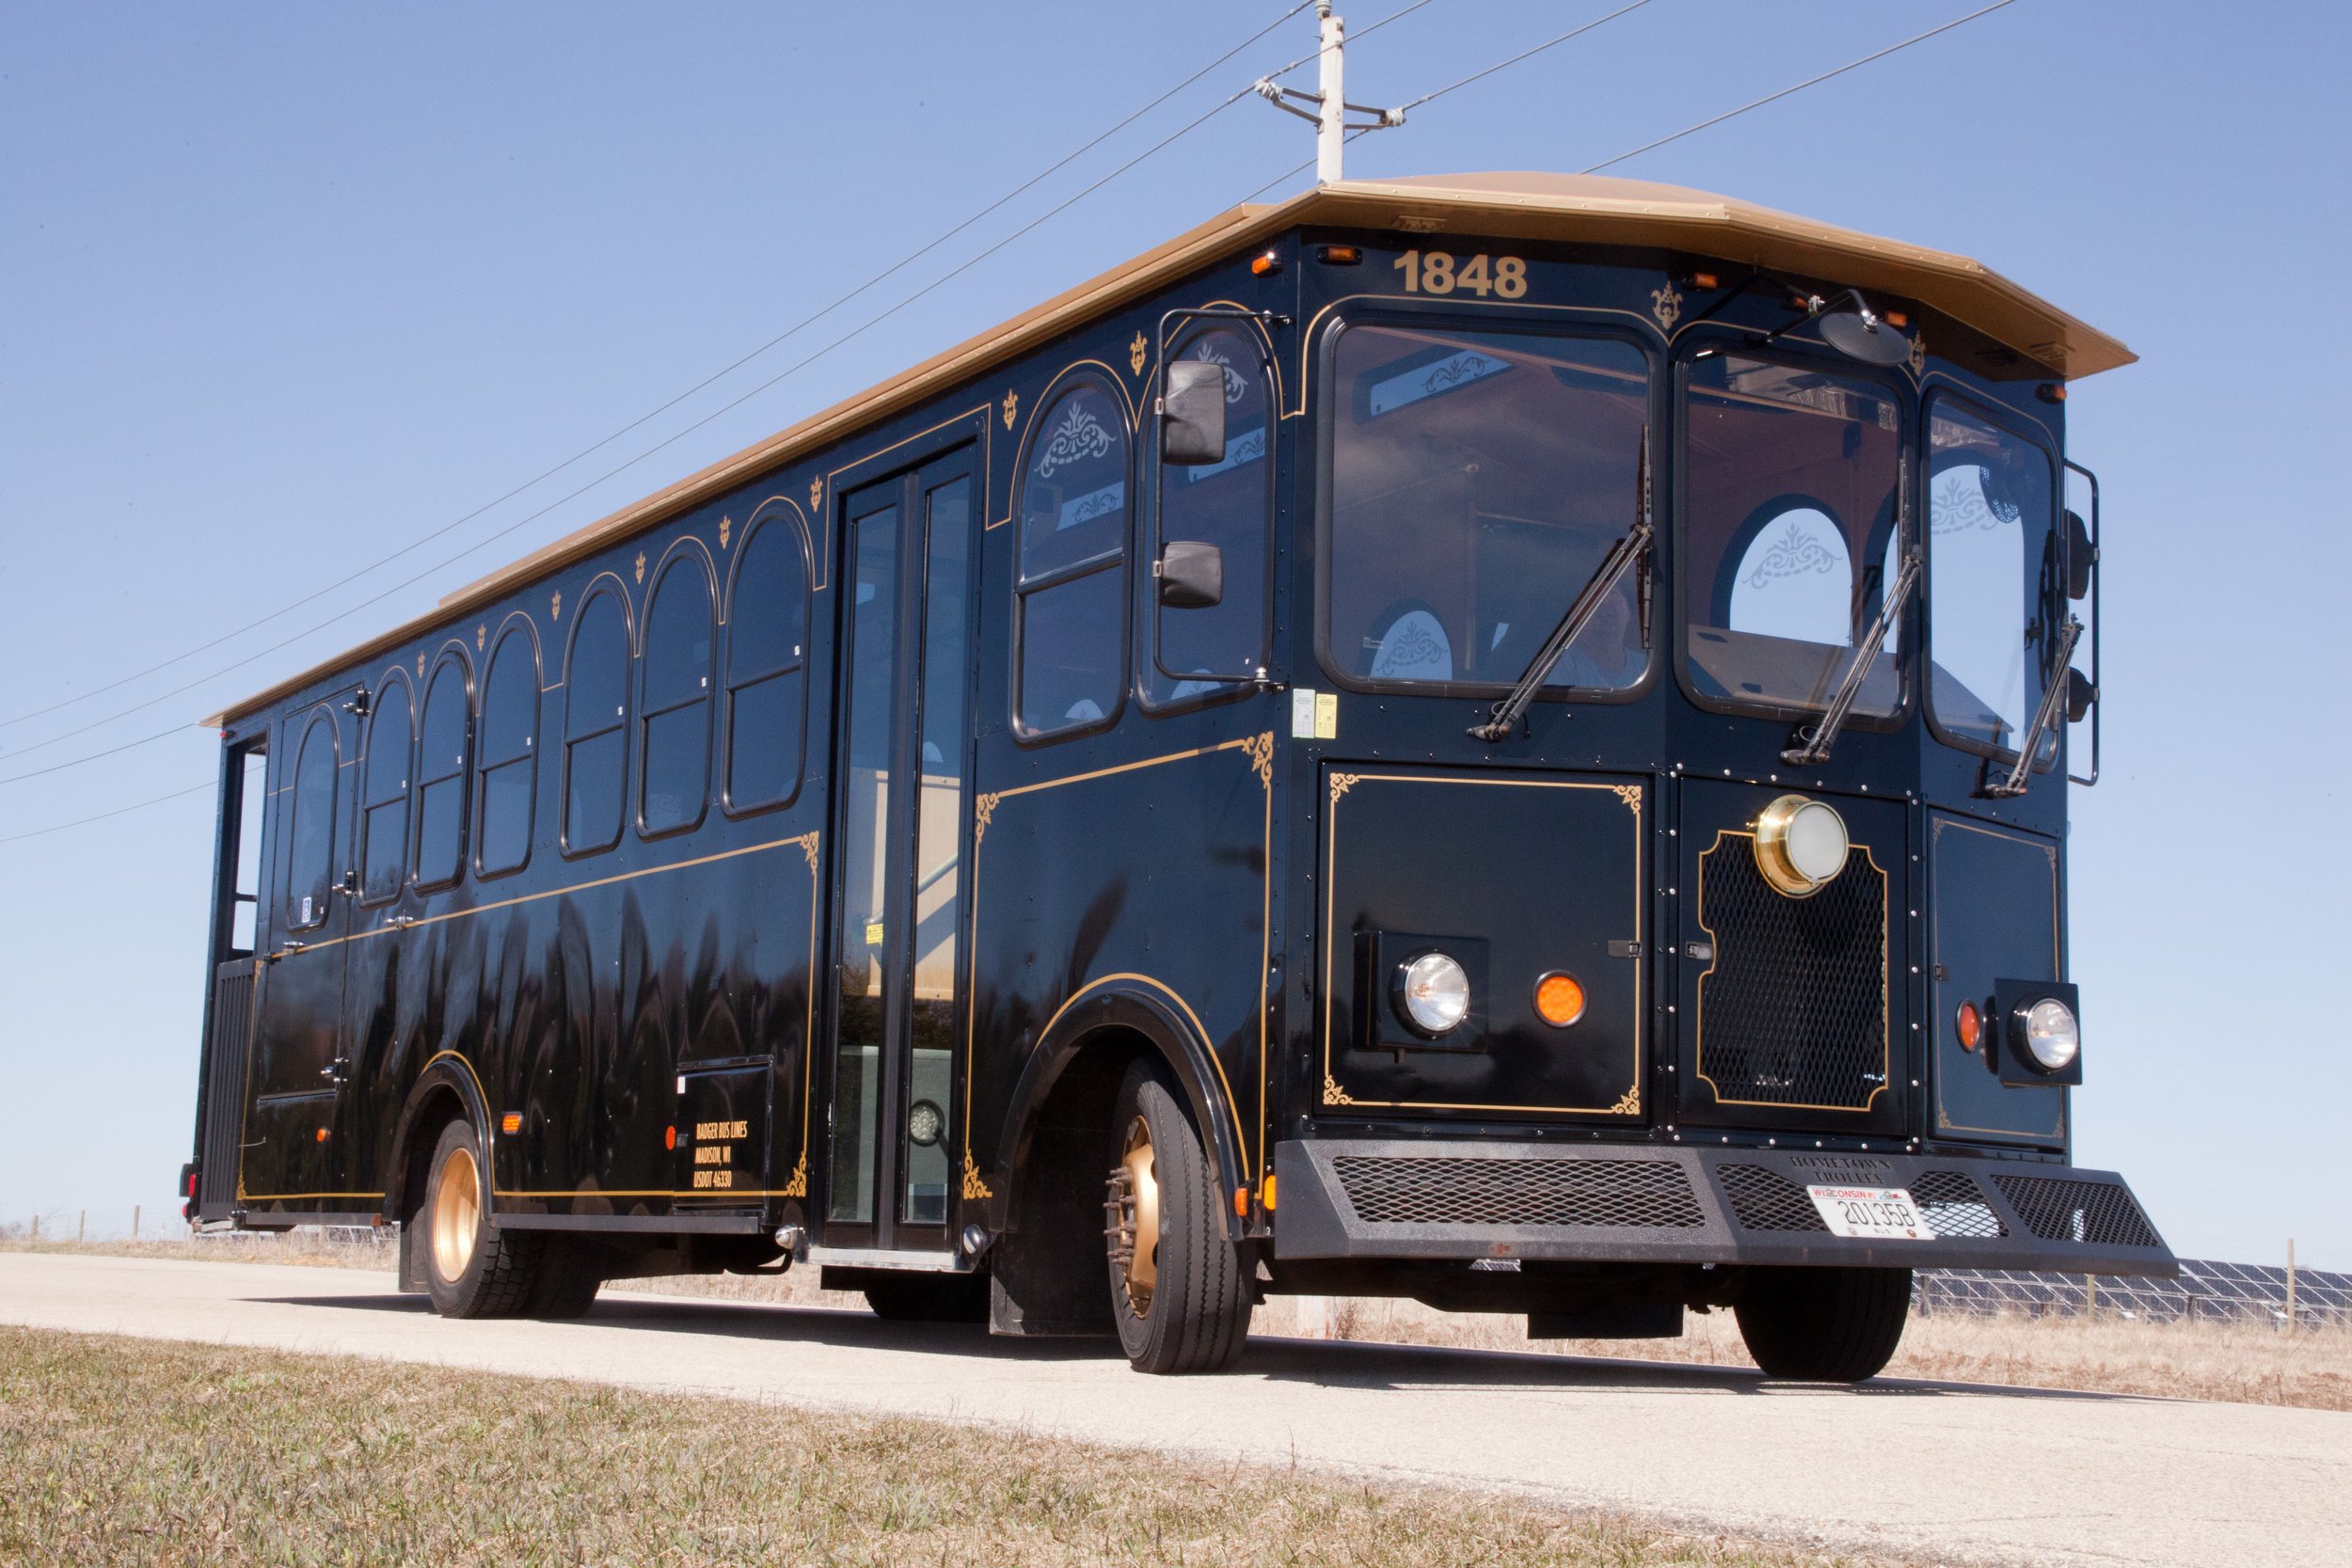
column 456, row 1215
column 1134, row 1216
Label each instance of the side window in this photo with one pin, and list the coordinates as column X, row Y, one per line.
column 384, row 795
column 441, row 771
column 675, row 750
column 1074, row 504
column 1992, row 500
column 766, row 656
column 596, row 726
column 510, row 753
column 311, row 866
column 1229, row 504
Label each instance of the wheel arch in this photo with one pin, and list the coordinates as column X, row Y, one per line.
column 1096, row 1034
column 446, row 1090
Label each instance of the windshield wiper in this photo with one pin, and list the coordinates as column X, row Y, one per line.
column 2020, row 775
column 1808, row 748
column 1621, row 558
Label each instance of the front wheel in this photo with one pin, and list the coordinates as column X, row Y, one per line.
column 1180, row 1288
column 1823, row 1325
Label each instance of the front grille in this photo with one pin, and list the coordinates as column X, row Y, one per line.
column 1794, row 1010
column 1954, row 1207
column 1766, row 1200
column 1634, row 1195
column 2092, row 1213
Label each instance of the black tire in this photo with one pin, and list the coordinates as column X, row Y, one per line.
column 570, row 1273
column 471, row 1270
column 1823, row 1325
column 931, row 1298
column 1192, row 1312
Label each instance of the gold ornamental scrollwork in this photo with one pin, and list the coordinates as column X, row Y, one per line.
column 984, row 810
column 1919, row 352
column 1631, row 795
column 1012, row 408
column 481, row 635
column 816, row 494
column 808, row 848
column 555, row 605
column 1135, row 352
column 1333, row 1093
column 1628, row 1104
column 1341, row 783
column 1260, row 750
column 1666, row 305
column 974, row 1188
column 641, row 567
column 798, row 1186
column 726, row 527
column 420, row 666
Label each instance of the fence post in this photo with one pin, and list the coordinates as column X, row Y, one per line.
column 134, row 1222
column 35, row 1228
column 81, row 1226
column 2290, row 1282
column 2091, row 1297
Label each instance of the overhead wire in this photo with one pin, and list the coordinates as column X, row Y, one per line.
column 864, row 326
column 805, row 322
column 118, row 811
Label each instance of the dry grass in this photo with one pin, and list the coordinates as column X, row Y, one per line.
column 131, row 1452
column 2250, row 1363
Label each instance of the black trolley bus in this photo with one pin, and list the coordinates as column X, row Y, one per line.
column 1498, row 739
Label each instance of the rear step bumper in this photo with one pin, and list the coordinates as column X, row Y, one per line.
column 1350, row 1198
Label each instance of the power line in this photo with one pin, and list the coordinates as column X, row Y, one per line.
column 1814, row 81
column 118, row 811
column 1530, row 53
column 728, row 369
column 864, row 326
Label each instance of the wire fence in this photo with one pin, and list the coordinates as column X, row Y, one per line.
column 2207, row 1291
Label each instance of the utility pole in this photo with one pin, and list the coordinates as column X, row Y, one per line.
column 1329, row 105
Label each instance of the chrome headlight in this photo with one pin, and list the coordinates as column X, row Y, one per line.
column 1432, row 994
column 1800, row 846
column 2052, row 1038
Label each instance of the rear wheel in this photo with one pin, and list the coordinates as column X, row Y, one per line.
column 1824, row 1325
column 471, row 1268
column 570, row 1273
column 1179, row 1289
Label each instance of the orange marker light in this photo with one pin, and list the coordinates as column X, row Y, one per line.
column 1338, row 255
column 1559, row 1000
column 1702, row 279
column 1896, row 318
column 1241, row 1202
column 669, row 1138
column 1267, row 265
column 1267, row 1194
column 1971, row 1027
column 322, row 1134
column 511, row 1122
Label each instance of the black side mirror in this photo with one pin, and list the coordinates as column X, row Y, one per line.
column 2080, row 694
column 1192, row 413
column 2079, row 557
column 1192, row 575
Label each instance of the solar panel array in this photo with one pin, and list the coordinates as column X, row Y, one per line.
column 2205, row 1290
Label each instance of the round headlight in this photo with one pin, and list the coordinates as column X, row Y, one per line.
column 1800, row 845
column 2052, row 1037
column 1433, row 993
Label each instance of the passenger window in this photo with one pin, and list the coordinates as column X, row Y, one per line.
column 384, row 825
column 766, row 654
column 1991, row 504
column 1229, row 504
column 441, row 769
column 596, row 726
column 676, row 707
column 1074, row 503
column 311, row 866
column 510, row 757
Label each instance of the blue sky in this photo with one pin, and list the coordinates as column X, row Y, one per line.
column 287, row 287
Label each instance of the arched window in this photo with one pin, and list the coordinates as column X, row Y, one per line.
column 1074, row 503
column 311, row 866
column 767, row 659
column 510, row 755
column 1229, row 503
column 596, row 726
column 675, row 750
column 446, row 737
column 1795, row 579
column 384, row 795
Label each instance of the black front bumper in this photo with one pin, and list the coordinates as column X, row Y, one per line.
column 1401, row 1198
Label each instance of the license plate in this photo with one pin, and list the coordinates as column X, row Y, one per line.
column 1875, row 1214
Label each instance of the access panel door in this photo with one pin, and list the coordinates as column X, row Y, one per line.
column 902, row 778
column 296, row 1122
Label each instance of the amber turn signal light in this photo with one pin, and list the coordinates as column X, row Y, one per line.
column 1971, row 1025
column 511, row 1122
column 1559, row 1000
column 1267, row 265
column 1338, row 255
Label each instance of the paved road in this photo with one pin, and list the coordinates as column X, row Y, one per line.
column 1941, row 1471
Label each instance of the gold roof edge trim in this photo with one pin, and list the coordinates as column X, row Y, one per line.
column 1509, row 205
